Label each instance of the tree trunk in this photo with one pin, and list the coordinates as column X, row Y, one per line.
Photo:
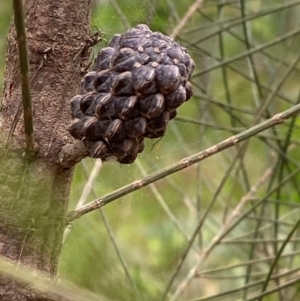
column 34, row 193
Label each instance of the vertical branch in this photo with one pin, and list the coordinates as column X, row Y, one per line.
column 24, row 72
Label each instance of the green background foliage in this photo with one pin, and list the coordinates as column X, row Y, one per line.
column 151, row 227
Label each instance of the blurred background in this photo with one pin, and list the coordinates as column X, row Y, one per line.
column 222, row 229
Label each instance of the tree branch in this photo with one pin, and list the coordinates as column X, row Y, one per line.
column 184, row 163
column 72, row 153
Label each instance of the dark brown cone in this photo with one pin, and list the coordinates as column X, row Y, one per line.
column 136, row 85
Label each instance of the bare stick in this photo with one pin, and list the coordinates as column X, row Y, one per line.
column 24, row 72
column 184, row 163
column 88, row 187
column 196, row 5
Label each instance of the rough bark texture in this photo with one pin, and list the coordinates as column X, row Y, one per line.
column 34, row 194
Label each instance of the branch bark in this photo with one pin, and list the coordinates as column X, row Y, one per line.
column 34, row 194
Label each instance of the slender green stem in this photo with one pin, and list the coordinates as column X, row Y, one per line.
column 245, row 263
column 245, row 287
column 24, row 72
column 250, row 52
column 225, row 230
column 274, row 289
column 265, row 88
column 248, row 18
column 278, row 256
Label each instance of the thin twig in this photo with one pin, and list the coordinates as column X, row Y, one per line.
column 250, row 52
column 193, row 8
column 88, row 187
column 138, row 295
column 232, row 130
column 109, row 230
column 225, row 230
column 246, row 286
column 235, row 212
column 184, row 163
column 244, row 263
column 119, row 11
column 250, row 17
column 24, row 72
column 278, row 256
column 274, row 289
column 265, row 88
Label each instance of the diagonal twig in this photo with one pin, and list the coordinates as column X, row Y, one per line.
column 225, row 230
column 247, row 53
column 248, row 18
column 196, row 5
column 184, row 163
column 88, row 187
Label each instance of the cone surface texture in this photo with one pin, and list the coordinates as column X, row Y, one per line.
column 137, row 83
